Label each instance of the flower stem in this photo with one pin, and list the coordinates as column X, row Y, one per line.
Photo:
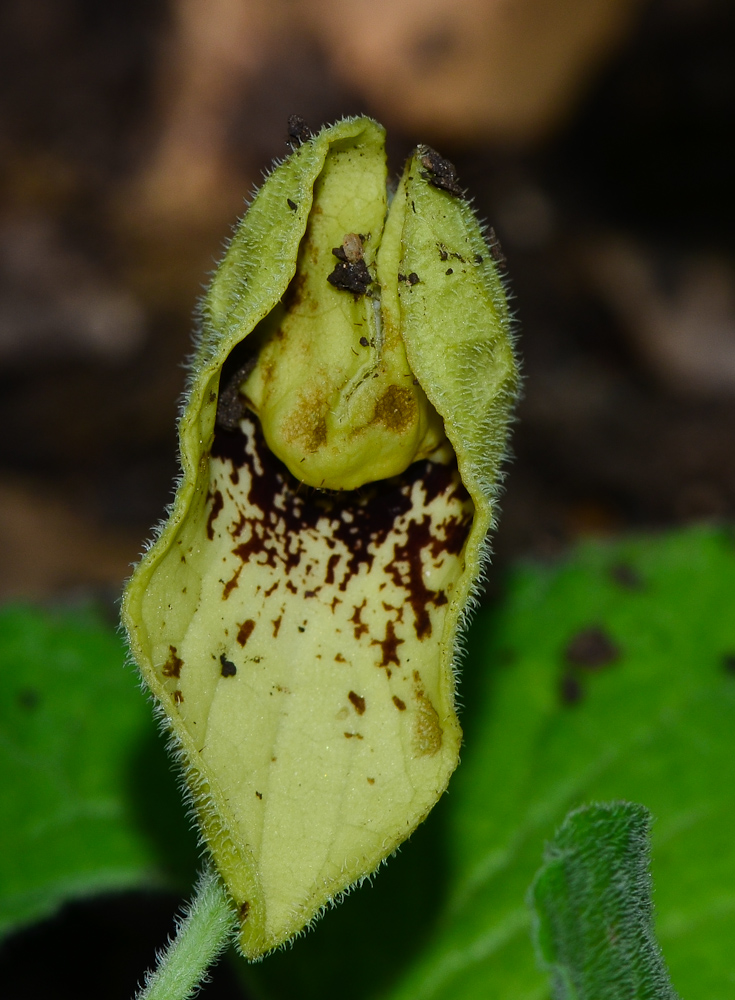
column 202, row 935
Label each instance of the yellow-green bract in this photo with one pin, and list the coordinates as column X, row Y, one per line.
column 301, row 639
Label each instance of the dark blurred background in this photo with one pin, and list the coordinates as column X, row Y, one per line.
column 595, row 135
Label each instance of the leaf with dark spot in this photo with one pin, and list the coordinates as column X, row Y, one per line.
column 592, row 649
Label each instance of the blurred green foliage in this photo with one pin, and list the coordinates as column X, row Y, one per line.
column 84, row 782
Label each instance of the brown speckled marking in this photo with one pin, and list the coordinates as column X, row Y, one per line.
column 178, row 696
column 361, row 520
column 358, row 702
column 243, row 910
column 245, row 631
column 331, row 565
column 396, row 409
column 232, row 583
column 407, row 571
column 392, row 607
column 174, row 663
column 306, row 427
column 217, row 505
column 356, row 619
column 373, row 572
column 388, row 646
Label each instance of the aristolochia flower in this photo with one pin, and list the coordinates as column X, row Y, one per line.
column 297, row 617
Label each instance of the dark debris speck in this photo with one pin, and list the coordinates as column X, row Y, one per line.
column 439, row 172
column 298, row 131
column 570, row 690
column 29, row 698
column 350, row 277
column 625, row 576
column 228, row 667
column 592, row 649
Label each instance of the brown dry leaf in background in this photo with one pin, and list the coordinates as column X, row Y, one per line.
column 214, row 51
column 481, row 70
column 54, row 300
column 507, row 70
column 47, row 548
column 677, row 310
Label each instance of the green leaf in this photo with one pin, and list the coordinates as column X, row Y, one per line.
column 87, row 800
column 594, row 913
column 651, row 625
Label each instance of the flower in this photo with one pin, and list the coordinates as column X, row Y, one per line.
column 297, row 616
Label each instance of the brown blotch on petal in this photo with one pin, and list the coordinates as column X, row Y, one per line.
column 427, row 727
column 245, row 631
column 243, row 910
column 356, row 619
column 294, row 297
column 174, row 663
column 399, row 703
column 389, row 645
column 396, row 409
column 357, row 701
column 231, row 584
column 331, row 565
column 411, row 578
column 306, row 427
column 217, row 505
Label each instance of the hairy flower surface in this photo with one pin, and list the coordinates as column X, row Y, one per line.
column 297, row 616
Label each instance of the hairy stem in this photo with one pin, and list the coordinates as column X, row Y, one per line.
column 202, row 934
